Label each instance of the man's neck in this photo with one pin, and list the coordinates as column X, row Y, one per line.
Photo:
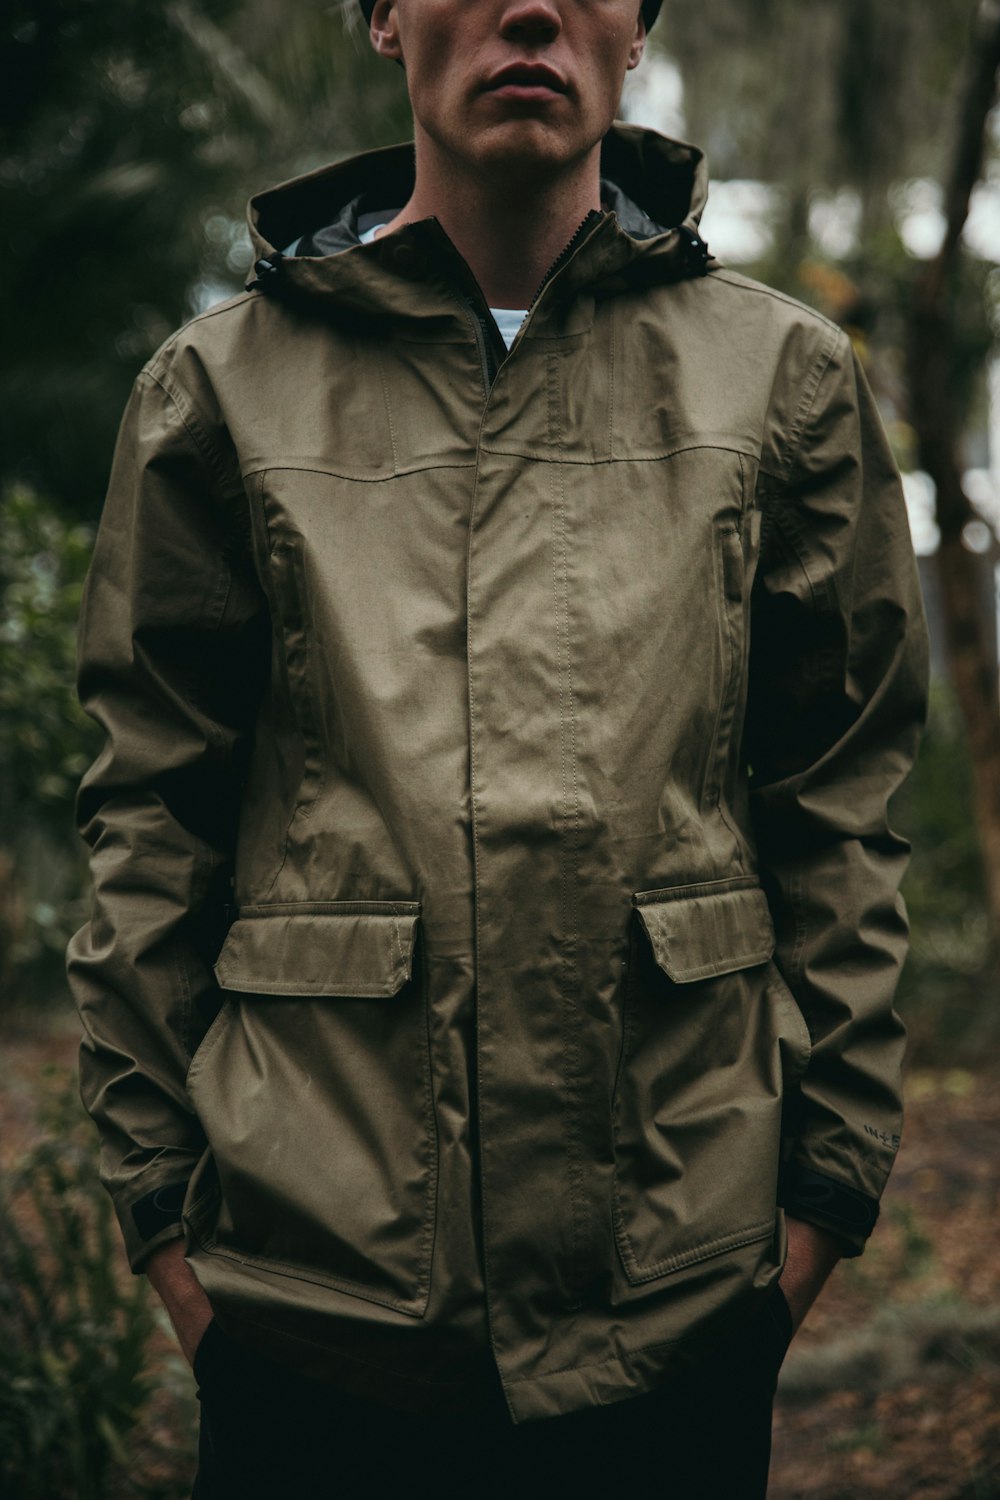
column 508, row 231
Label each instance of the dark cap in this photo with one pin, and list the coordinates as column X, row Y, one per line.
column 650, row 10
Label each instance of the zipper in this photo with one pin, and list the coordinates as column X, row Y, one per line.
column 565, row 253
column 473, row 303
column 484, row 342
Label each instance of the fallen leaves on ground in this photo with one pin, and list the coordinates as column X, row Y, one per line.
column 892, row 1388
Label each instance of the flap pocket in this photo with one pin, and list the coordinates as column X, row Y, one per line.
column 698, row 931
column 351, row 948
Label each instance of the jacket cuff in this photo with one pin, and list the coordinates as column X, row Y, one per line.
column 152, row 1221
column 842, row 1211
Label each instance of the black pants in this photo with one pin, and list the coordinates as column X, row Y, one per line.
column 270, row 1434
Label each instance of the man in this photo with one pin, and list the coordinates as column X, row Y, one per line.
column 496, row 915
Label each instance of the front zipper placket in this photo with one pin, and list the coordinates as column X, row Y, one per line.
column 485, row 342
column 492, row 351
column 487, row 334
column 592, row 218
column 581, row 234
column 468, row 294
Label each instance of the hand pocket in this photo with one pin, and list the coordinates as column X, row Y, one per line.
column 202, row 1355
column 780, row 1320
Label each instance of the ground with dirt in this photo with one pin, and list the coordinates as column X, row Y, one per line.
column 891, row 1389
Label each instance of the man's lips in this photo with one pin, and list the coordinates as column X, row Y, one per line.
column 526, row 81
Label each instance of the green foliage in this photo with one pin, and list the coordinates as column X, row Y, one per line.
column 948, row 984
column 851, row 92
column 46, row 740
column 873, row 88
column 916, row 1254
column 103, row 155
column 131, row 137
column 74, row 1331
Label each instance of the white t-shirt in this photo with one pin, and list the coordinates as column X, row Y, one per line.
column 507, row 319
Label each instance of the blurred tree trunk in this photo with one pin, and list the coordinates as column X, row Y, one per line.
column 937, row 422
column 10, row 922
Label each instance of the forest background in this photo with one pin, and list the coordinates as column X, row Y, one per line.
column 854, row 147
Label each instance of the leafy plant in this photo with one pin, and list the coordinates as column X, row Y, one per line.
column 945, row 995
column 46, row 740
column 75, row 1331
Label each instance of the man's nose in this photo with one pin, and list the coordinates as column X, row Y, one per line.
column 531, row 21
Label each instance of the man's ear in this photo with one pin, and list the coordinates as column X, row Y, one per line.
column 638, row 43
column 383, row 31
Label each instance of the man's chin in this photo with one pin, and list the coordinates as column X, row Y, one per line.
column 528, row 149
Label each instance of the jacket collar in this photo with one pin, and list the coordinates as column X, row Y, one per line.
column 305, row 231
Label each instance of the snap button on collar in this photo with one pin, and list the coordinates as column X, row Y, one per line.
column 408, row 259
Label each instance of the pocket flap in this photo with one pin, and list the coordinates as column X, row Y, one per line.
column 697, row 932
column 359, row 948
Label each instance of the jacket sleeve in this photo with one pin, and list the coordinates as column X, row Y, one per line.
column 172, row 647
column 838, row 669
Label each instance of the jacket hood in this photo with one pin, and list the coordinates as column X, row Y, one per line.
column 305, row 231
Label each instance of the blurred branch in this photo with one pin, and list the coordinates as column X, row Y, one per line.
column 931, row 366
column 932, row 315
column 967, row 163
column 229, row 63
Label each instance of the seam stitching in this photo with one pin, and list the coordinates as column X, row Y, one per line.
column 291, row 1272
column 593, row 463
column 568, row 775
column 734, row 1241
column 611, row 383
column 230, row 305
column 388, row 412
column 255, row 910
column 402, row 966
column 184, row 407
column 810, row 387
column 740, row 283
column 727, row 709
column 732, row 883
column 303, row 990
column 271, row 468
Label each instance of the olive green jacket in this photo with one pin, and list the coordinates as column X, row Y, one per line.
column 495, row 911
